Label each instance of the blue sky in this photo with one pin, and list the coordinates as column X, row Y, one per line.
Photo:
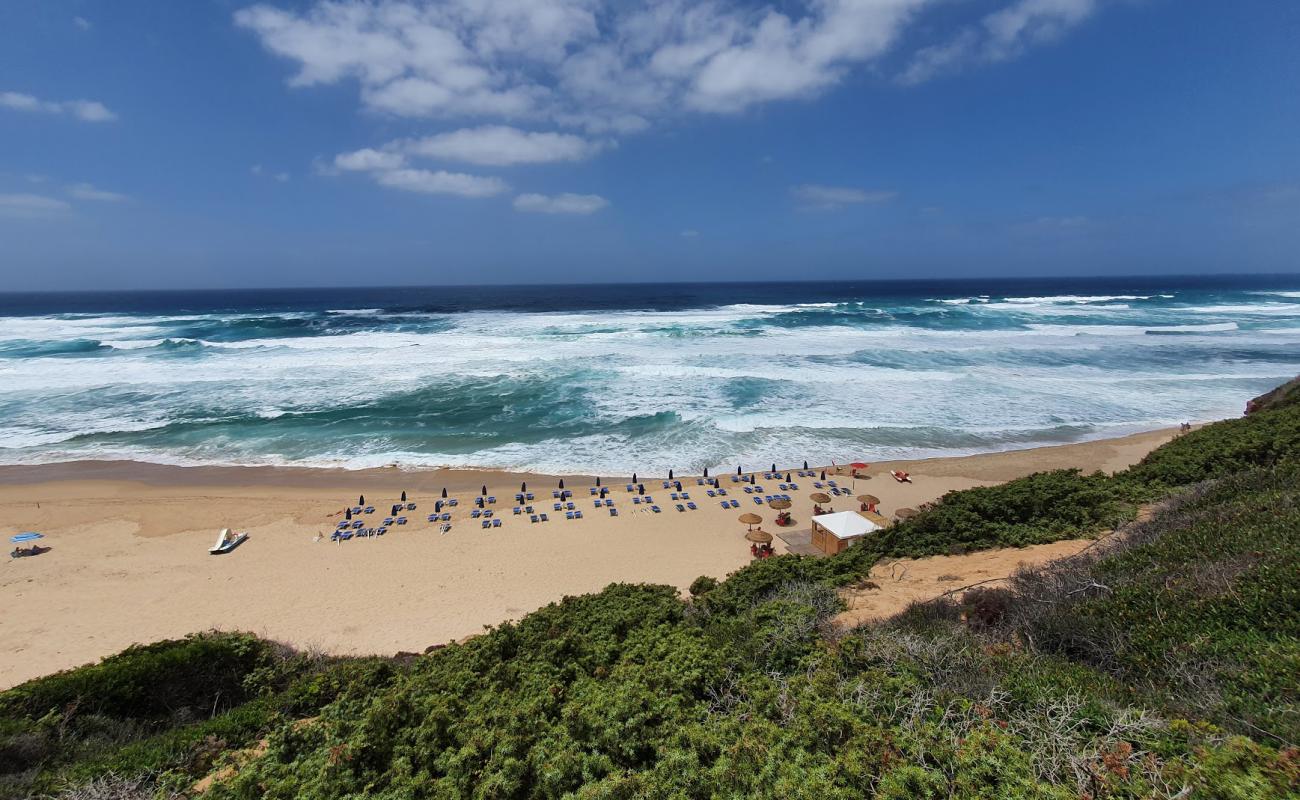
column 216, row 143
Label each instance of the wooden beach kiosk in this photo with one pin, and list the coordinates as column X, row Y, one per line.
column 832, row 533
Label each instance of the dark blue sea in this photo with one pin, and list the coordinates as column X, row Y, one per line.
column 615, row 378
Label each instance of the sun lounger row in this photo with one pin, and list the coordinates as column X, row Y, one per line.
column 492, row 523
column 445, row 517
column 539, row 518
column 731, row 504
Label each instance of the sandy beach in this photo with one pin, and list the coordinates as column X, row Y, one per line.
column 128, row 543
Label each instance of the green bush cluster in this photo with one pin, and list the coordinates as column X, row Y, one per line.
column 1161, row 667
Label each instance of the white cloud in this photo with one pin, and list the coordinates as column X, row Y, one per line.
column 814, row 195
column 690, row 233
column 605, row 66
column 501, row 145
column 1000, row 35
column 441, row 182
column 368, row 160
column 31, row 206
column 282, row 177
column 85, row 191
column 81, row 22
column 561, row 203
column 85, row 110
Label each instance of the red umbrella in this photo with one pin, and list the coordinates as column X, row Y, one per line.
column 859, row 465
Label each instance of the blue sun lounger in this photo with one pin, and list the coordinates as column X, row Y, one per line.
column 518, row 510
column 636, row 501
column 691, row 506
column 726, row 504
column 357, row 524
column 594, row 490
column 681, row 507
column 533, row 518
column 631, row 488
column 758, row 501
column 545, row 518
column 529, row 495
column 735, row 504
column 369, row 510
column 568, row 515
column 433, row 517
column 487, row 523
column 613, row 512
column 476, row 513
column 496, row 523
column 655, row 509
column 401, row 520
column 570, row 506
column 577, row 515
column 558, row 507
column 453, row 502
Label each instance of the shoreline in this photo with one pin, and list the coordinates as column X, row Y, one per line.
column 419, row 478
column 128, row 559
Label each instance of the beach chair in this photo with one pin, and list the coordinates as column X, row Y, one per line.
column 433, row 517
column 655, row 509
column 817, row 484
column 487, row 513
column 570, row 506
column 519, row 498
column 686, row 496
column 381, row 530
column 758, row 489
column 722, row 492
column 369, row 510
column 647, row 499
column 597, row 503
column 401, row 520
column 555, row 493
column 758, row 501
column 410, row 506
column 681, row 507
column 568, row 515
column 711, row 493
column 388, row 520
column 453, row 502
column 749, row 490
column 558, row 507
column 726, row 504
column 692, row 506
column 636, row 501
column 674, row 495
column 699, row 481
column 533, row 518
column 735, row 479
column 530, row 496
column 794, row 487
column 577, row 515
column 631, row 488
column 518, row 511
column 528, row 509
column 545, row 518
column 357, row 524
column 446, row 516
column 667, row 484
column 487, row 523
column 594, row 490
column 476, row 513
column 609, row 502
column 346, row 535
column 613, row 512
column 496, row 523
column 342, row 524
column 735, row 504
column 832, row 483
column 356, row 510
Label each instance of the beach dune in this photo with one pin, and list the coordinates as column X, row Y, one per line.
column 128, row 560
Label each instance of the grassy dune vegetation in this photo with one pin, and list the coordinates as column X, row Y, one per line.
column 1161, row 663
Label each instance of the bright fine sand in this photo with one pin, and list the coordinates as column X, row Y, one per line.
column 128, row 558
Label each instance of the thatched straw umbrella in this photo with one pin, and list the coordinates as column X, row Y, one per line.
column 759, row 537
column 906, row 513
column 779, row 504
column 819, row 497
column 751, row 520
column 869, row 499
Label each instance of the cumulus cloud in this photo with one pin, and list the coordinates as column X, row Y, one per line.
column 441, row 182
column 85, row 191
column 368, row 159
column 814, row 195
column 560, row 203
column 608, row 67
column 85, row 110
column 502, row 145
column 999, row 36
column 31, row 206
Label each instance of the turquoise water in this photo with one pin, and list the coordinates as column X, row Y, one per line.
column 613, row 379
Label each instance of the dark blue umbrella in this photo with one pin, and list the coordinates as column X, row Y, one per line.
column 27, row 537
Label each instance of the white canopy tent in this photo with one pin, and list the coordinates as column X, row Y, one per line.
column 831, row 533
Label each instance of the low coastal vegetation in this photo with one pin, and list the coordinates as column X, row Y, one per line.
column 1159, row 663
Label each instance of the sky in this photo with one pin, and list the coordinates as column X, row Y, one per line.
column 219, row 143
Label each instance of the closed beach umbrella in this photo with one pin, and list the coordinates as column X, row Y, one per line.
column 750, row 519
column 347, row 513
column 738, row 469
column 444, row 493
column 780, row 505
column 670, row 474
column 523, row 487
column 805, row 465
column 598, row 480
column 787, row 477
column 634, row 477
column 823, row 474
column 27, row 536
column 437, row 505
column 869, row 499
column 760, row 537
column 403, row 495
column 485, row 490
column 819, row 497
column 906, row 513
column 706, row 472
column 774, row 468
column 361, row 501
column 561, row 483
column 640, row 488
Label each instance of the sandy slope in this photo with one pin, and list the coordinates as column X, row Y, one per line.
column 129, row 564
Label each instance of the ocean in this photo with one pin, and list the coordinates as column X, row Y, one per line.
column 609, row 379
